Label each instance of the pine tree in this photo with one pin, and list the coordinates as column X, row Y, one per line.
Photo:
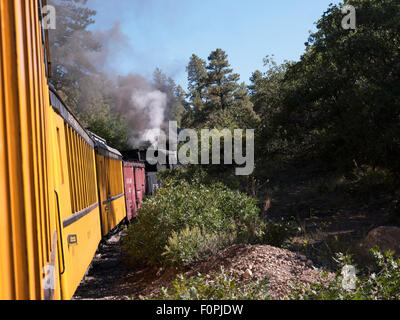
column 167, row 85
column 197, row 82
column 221, row 82
column 216, row 99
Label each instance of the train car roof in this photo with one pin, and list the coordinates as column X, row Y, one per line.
column 134, row 164
column 104, row 149
column 95, row 141
column 60, row 107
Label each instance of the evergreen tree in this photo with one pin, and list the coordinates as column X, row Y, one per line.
column 340, row 103
column 167, row 85
column 216, row 99
column 221, row 82
column 69, row 44
column 197, row 82
column 75, row 75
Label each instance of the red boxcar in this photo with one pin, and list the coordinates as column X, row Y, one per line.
column 135, row 187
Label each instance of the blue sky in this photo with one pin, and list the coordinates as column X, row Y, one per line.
column 165, row 33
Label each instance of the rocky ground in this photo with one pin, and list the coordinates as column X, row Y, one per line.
column 282, row 267
column 110, row 279
column 107, row 268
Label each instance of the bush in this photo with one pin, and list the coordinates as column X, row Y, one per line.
column 383, row 285
column 191, row 244
column 170, row 221
column 206, row 175
column 221, row 286
column 277, row 232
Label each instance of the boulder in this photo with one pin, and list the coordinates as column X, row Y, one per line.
column 248, row 274
column 302, row 257
column 386, row 238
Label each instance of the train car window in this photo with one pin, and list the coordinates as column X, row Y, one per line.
column 60, row 156
column 44, row 39
column 116, row 185
column 81, row 171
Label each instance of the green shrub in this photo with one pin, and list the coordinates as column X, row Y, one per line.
column 205, row 174
column 191, row 244
column 221, row 286
column 179, row 205
column 383, row 285
column 277, row 232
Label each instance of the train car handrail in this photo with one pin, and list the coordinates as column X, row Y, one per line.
column 79, row 215
column 61, row 237
column 113, row 198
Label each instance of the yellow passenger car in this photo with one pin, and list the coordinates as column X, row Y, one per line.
column 50, row 224
column 28, row 222
column 111, row 185
column 77, row 199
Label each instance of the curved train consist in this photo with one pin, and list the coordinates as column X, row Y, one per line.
column 61, row 188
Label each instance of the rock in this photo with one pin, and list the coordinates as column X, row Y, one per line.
column 114, row 239
column 386, row 238
column 248, row 274
column 303, row 258
column 159, row 272
column 107, row 265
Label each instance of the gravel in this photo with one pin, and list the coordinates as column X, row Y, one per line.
column 110, row 279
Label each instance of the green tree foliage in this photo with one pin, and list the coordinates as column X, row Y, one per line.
column 216, row 99
column 75, row 54
column 69, row 45
column 266, row 92
column 340, row 102
column 197, row 76
column 221, row 82
column 345, row 93
column 174, row 93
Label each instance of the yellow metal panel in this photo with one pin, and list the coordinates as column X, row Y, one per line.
column 81, row 173
column 26, row 78
column 6, row 267
column 13, row 150
column 85, row 158
column 80, row 254
column 77, row 179
column 34, row 125
column 110, row 182
column 118, row 211
column 81, row 182
column 82, row 225
column 27, row 223
column 72, row 168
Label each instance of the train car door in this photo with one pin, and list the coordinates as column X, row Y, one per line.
column 63, row 199
column 140, row 187
column 143, row 179
column 130, row 192
column 103, row 193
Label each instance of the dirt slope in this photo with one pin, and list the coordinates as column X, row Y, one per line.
column 110, row 279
